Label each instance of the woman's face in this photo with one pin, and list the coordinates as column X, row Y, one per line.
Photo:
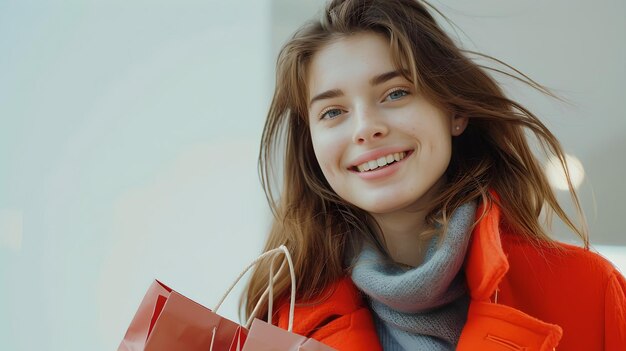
column 380, row 144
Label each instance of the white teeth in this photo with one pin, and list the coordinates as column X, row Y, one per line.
column 382, row 161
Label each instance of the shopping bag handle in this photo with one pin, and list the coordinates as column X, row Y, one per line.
column 269, row 290
column 271, row 253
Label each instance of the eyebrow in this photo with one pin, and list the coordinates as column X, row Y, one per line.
column 380, row 79
column 377, row 80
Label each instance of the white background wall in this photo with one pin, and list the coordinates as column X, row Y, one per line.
column 129, row 133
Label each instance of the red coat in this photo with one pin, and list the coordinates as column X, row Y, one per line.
column 569, row 299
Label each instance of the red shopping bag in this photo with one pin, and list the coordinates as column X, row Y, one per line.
column 167, row 321
column 240, row 338
column 266, row 337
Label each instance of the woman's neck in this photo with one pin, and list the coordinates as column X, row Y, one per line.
column 403, row 230
column 402, row 234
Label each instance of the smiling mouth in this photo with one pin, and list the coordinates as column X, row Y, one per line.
column 380, row 162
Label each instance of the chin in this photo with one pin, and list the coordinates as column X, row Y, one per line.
column 382, row 206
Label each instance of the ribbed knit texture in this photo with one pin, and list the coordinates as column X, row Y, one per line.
column 423, row 308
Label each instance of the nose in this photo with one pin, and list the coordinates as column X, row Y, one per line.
column 369, row 126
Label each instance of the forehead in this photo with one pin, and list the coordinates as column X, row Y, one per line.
column 351, row 59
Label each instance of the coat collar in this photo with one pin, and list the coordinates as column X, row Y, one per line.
column 486, row 263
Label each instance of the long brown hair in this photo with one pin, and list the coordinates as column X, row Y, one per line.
column 493, row 153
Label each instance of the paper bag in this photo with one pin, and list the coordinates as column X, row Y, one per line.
column 167, row 321
column 240, row 338
column 266, row 337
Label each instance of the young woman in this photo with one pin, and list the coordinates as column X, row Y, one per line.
column 411, row 199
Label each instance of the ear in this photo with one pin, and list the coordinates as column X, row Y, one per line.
column 459, row 123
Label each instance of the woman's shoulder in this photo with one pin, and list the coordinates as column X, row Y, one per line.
column 339, row 318
column 564, row 277
column 569, row 286
column 579, row 262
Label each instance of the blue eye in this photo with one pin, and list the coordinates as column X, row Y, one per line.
column 397, row 94
column 332, row 113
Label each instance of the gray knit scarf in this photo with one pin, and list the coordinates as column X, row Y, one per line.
column 424, row 308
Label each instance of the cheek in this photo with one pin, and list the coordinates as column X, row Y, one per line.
column 324, row 152
column 328, row 146
column 441, row 151
column 433, row 138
